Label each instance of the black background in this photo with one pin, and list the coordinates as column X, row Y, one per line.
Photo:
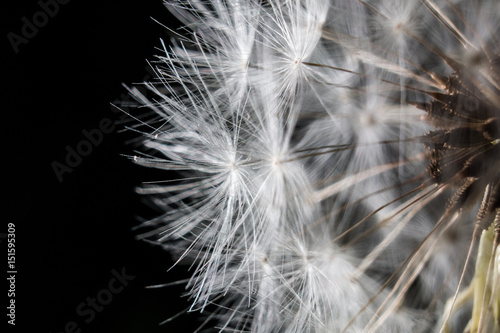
column 71, row 234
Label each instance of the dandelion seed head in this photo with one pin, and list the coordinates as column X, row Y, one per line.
column 338, row 159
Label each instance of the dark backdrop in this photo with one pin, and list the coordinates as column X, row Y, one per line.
column 63, row 67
